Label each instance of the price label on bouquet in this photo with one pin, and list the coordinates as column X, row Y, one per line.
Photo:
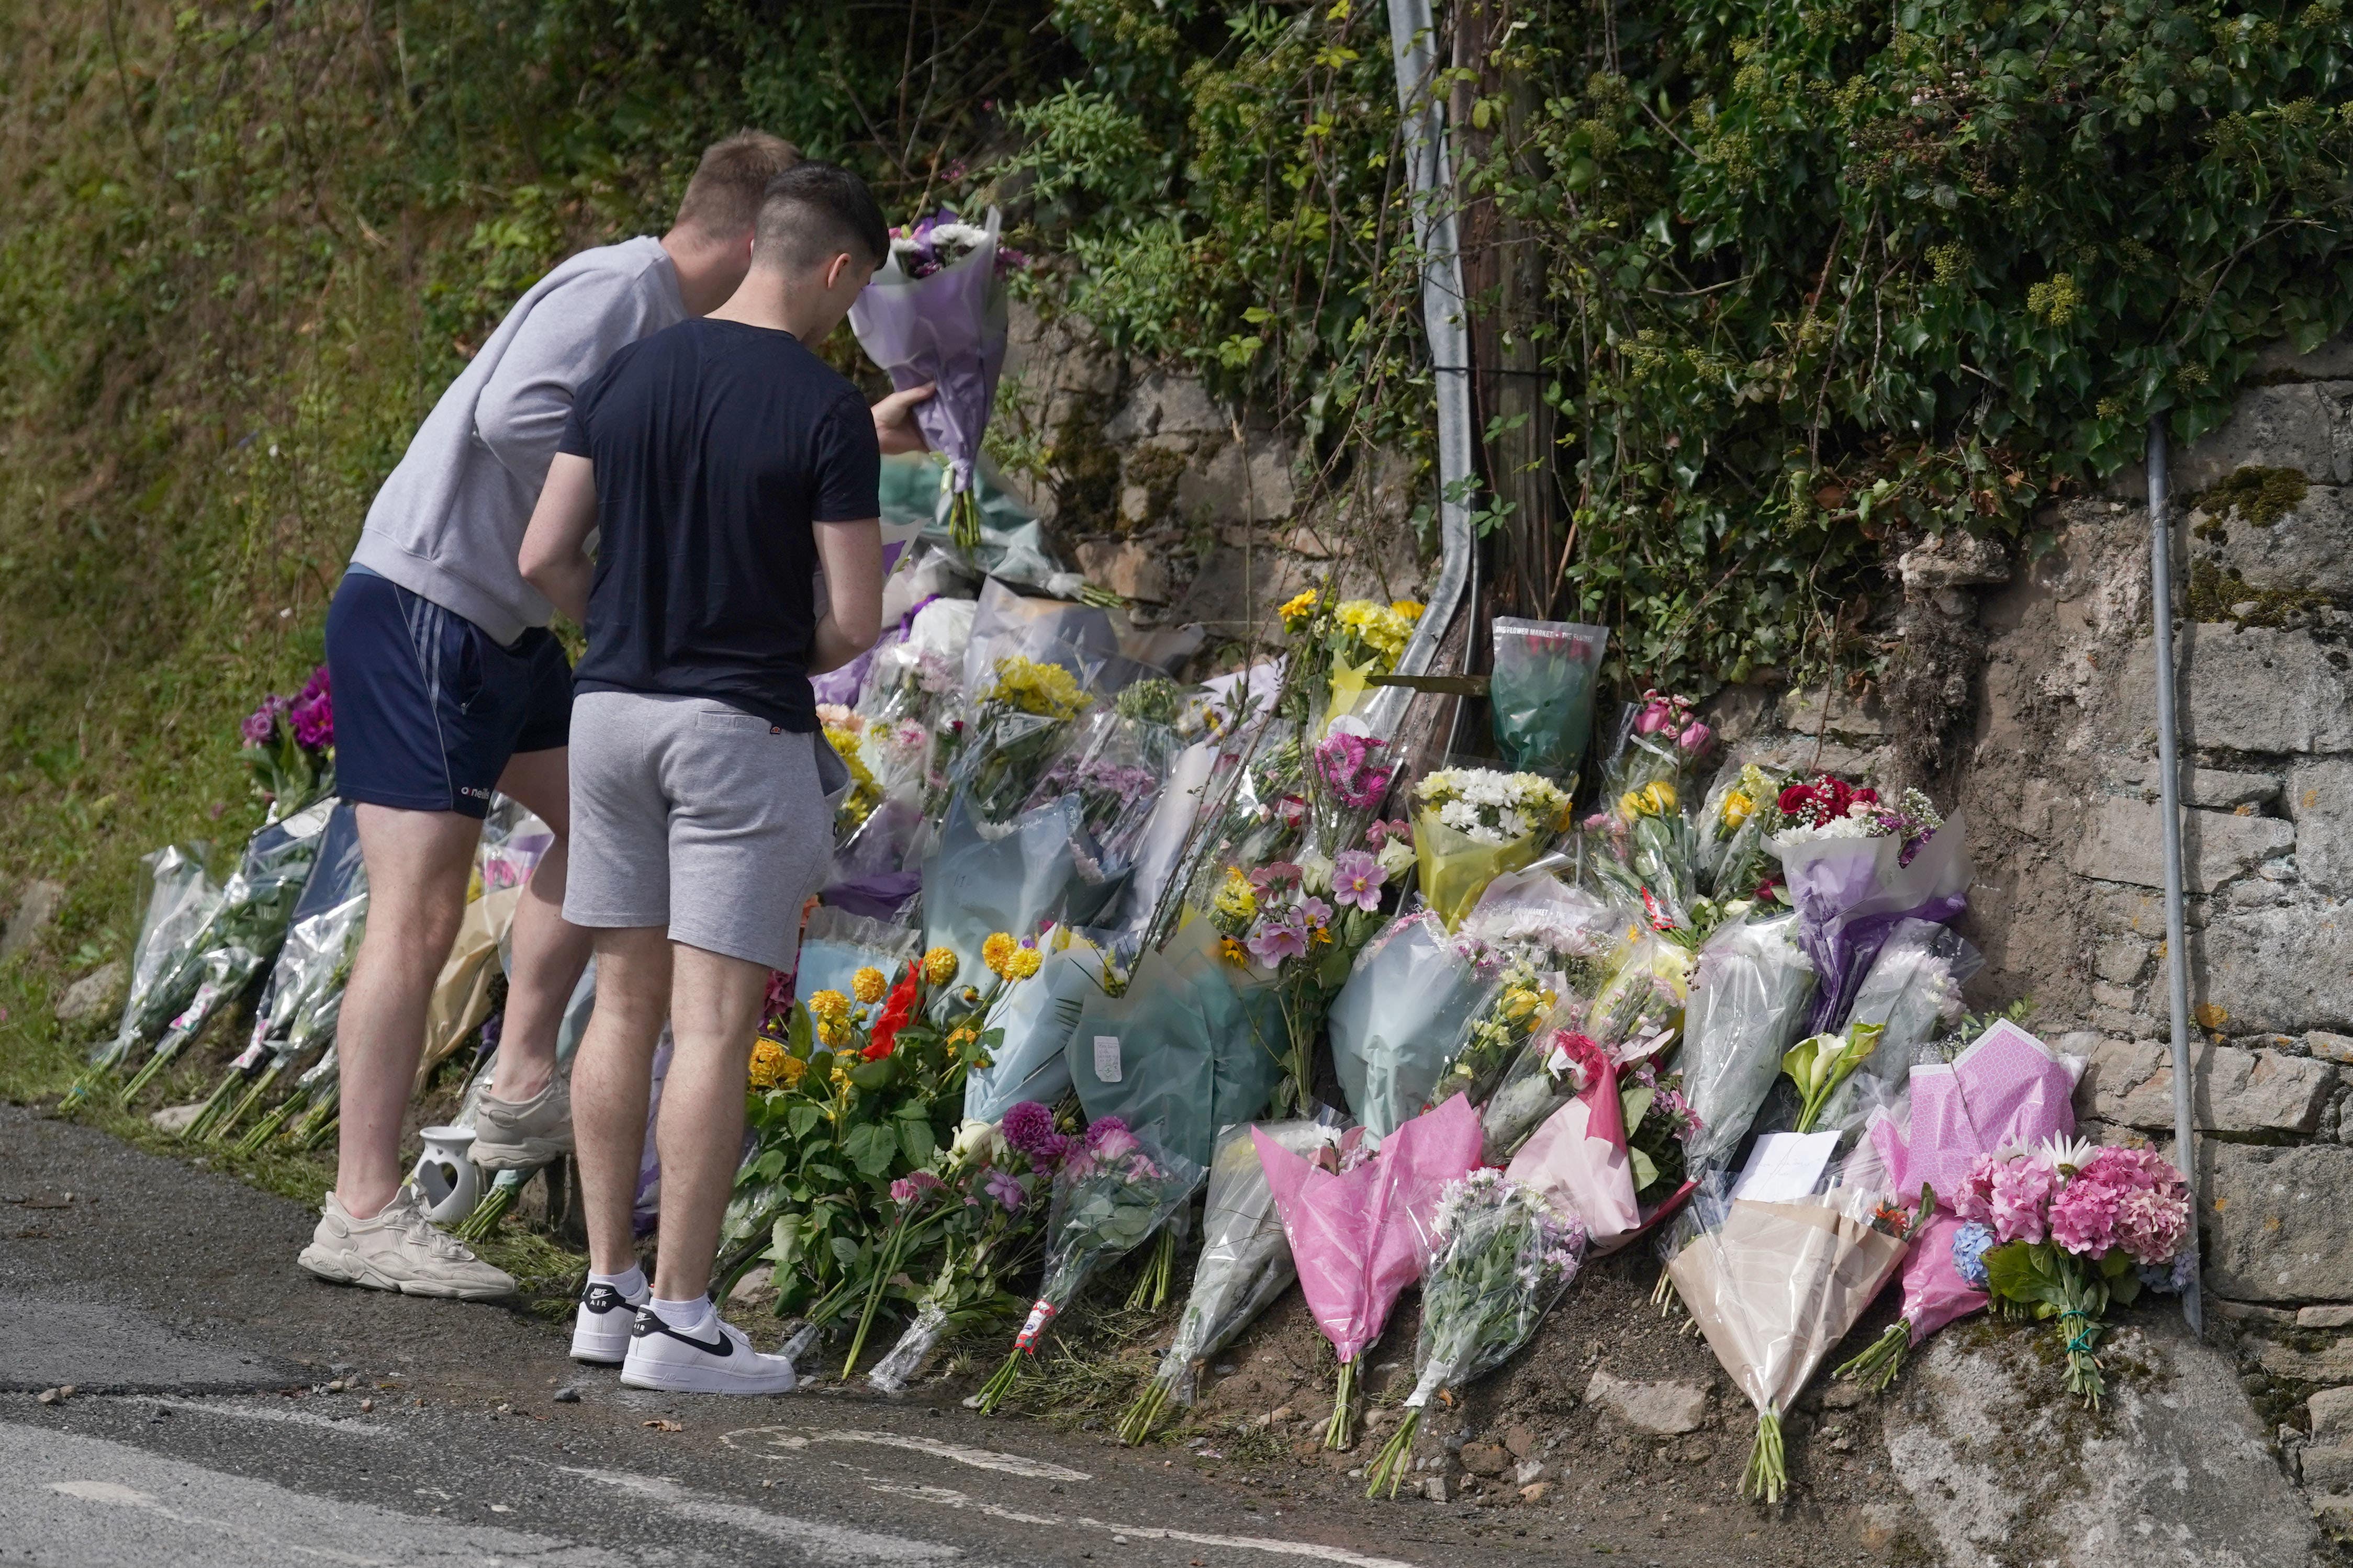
column 1039, row 1316
column 1107, row 1058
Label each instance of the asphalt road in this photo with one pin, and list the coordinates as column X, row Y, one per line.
column 202, row 1430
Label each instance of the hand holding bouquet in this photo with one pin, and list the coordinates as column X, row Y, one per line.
column 1499, row 1259
column 2066, row 1229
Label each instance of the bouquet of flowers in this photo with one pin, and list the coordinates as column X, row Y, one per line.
column 1748, row 999
column 978, row 881
column 289, row 746
column 1819, row 1064
column 1659, row 742
column 1411, row 990
column 1019, row 722
column 1348, row 774
column 1245, row 1262
column 989, row 1214
column 1185, row 1045
column 2067, row 1228
column 1036, row 1023
column 1912, row 991
column 1577, row 1159
column 1738, row 817
column 1542, row 693
column 1499, row 1259
column 1632, row 1017
column 1354, row 1230
column 1855, row 869
column 1344, row 643
column 1269, row 918
column 1471, row 824
column 1775, row 1285
column 935, row 312
column 861, row 1091
column 1109, row 1197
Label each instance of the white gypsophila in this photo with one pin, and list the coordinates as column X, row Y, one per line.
column 1836, row 827
column 965, row 235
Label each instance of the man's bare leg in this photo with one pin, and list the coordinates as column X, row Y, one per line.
column 714, row 1017
column 611, row 1078
column 549, row 952
column 417, row 863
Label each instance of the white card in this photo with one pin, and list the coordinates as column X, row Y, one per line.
column 1107, row 1058
column 1785, row 1165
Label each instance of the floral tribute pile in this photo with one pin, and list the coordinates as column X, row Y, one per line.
column 1093, row 939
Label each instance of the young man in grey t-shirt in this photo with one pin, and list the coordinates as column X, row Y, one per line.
column 449, row 685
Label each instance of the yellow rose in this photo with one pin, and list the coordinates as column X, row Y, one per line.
column 828, row 1006
column 940, row 965
column 1662, row 796
column 868, row 983
column 1737, row 809
column 1021, row 963
column 999, row 947
column 1630, row 804
column 768, row 1059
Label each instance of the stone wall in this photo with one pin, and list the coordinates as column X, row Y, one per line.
column 2049, row 746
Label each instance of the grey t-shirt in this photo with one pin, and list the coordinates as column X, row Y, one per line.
column 449, row 523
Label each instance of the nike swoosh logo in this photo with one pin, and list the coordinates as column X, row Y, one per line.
column 720, row 1344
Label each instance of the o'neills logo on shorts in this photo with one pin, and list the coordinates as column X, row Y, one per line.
column 476, row 794
column 1039, row 1316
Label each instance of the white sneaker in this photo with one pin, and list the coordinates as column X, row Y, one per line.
column 523, row 1135
column 600, row 1330
column 719, row 1360
column 398, row 1249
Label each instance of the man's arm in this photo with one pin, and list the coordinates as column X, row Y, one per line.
column 555, row 558
column 852, row 617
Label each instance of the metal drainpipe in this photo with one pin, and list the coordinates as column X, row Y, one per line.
column 1414, row 45
column 2168, row 764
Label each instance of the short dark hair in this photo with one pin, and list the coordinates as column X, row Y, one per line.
column 723, row 199
column 814, row 211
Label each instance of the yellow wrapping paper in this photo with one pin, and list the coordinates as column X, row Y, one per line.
column 1455, row 868
column 461, row 995
column 1778, row 1287
column 1348, row 687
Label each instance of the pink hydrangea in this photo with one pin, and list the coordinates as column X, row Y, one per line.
column 2021, row 1200
column 2128, row 1168
column 2151, row 1225
column 2083, row 1217
column 1974, row 1201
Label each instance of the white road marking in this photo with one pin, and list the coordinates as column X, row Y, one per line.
column 946, row 1498
column 121, row 1496
column 795, row 1439
column 857, row 1546
column 103, row 1491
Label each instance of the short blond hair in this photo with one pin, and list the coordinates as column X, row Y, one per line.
column 723, row 199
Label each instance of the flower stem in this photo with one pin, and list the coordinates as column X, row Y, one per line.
column 874, row 1290
column 1145, row 1414
column 1876, row 1367
column 1151, row 1290
column 1766, row 1478
column 2084, row 1379
column 219, row 1131
column 993, row 1392
column 267, row 1128
column 1342, row 1432
column 1395, row 1454
column 210, row 1112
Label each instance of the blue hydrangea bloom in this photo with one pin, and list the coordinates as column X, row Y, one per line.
column 1970, row 1245
column 2173, row 1278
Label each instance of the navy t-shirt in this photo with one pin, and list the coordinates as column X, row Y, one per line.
column 716, row 446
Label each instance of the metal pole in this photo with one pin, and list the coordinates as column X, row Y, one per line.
column 1413, row 41
column 2169, row 770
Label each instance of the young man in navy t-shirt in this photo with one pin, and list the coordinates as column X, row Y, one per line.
column 725, row 465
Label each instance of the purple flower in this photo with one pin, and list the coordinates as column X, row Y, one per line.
column 914, row 1187
column 1029, row 1128
column 1002, row 1186
column 258, row 726
column 1315, row 911
column 1275, row 940
column 1356, row 879
column 1103, row 1130
column 1276, row 875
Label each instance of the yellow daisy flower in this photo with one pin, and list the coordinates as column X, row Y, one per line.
column 868, row 983
column 999, row 947
column 828, row 1006
column 1021, row 963
column 940, row 965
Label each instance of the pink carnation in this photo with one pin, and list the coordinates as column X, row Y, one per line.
column 2021, row 1200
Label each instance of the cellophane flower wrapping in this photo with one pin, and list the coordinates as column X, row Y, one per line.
column 1113, row 765
column 1356, row 1234
column 1913, row 990
column 1245, row 1262
column 1109, row 1198
column 1029, row 1062
column 1934, row 1294
column 1535, row 940
column 1471, row 825
column 1191, row 1044
column 1774, row 1286
column 1577, row 1160
column 1541, row 692
column 1632, row 1016
column 947, row 329
column 201, row 951
column 1851, row 892
column 835, row 944
column 1498, row 1257
column 314, row 961
column 1750, row 998
column 976, row 882
column 1407, row 1000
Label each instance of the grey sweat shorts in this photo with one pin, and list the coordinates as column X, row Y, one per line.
column 699, row 817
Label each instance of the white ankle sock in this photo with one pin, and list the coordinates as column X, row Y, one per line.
column 686, row 1317
column 630, row 1286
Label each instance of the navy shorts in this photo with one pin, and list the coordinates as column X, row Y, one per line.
column 428, row 709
